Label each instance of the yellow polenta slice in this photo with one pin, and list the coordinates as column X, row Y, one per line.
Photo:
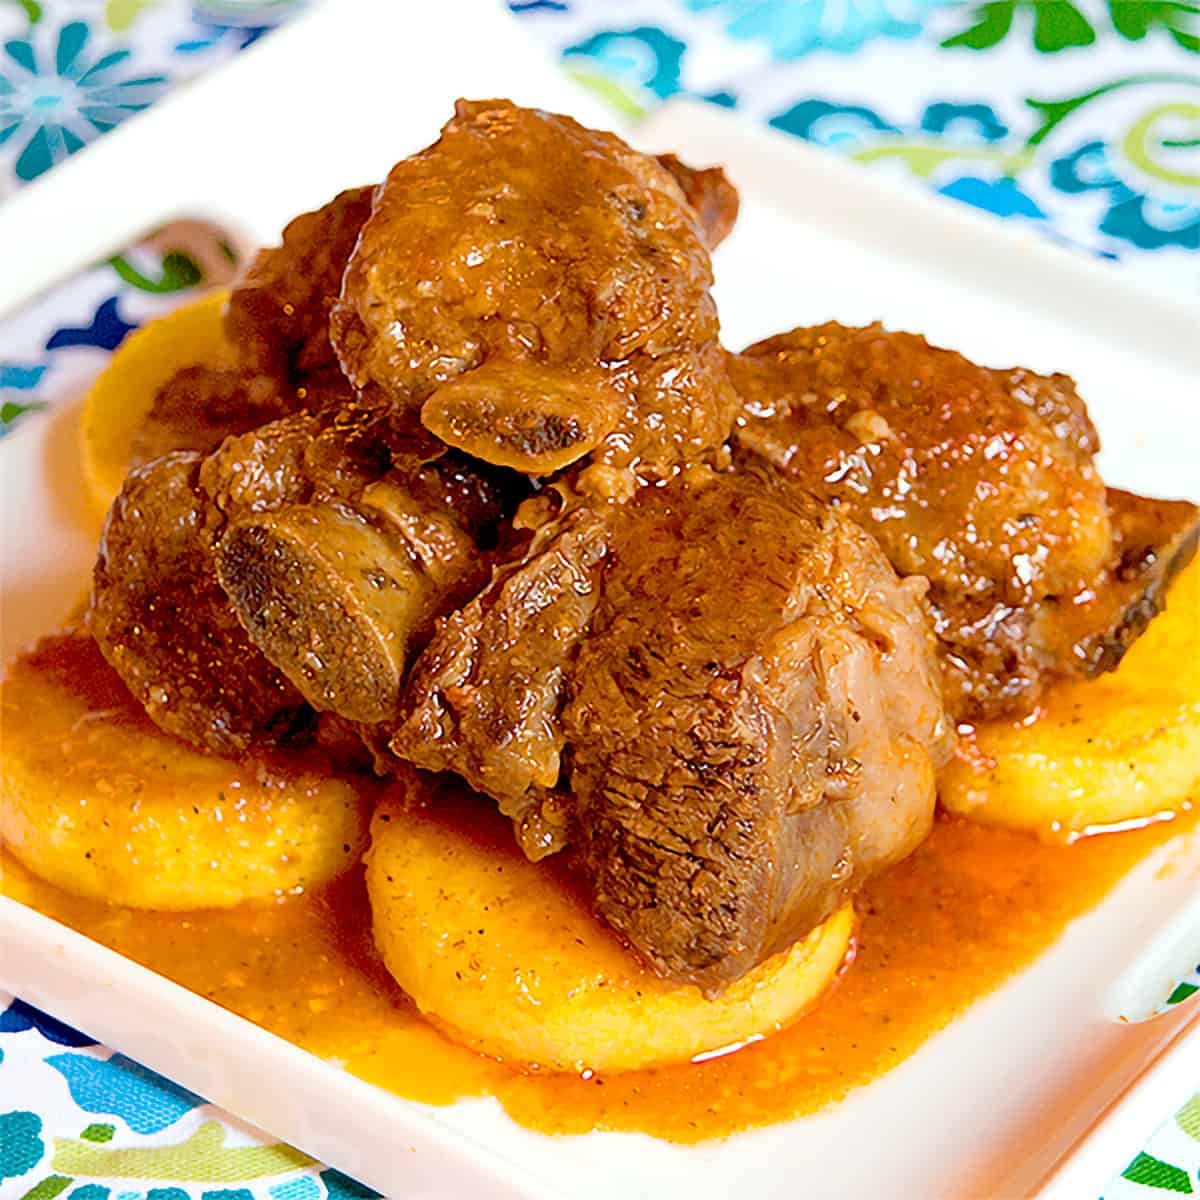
column 1122, row 747
column 97, row 800
column 504, row 956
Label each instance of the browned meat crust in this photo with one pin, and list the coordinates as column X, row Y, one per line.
column 198, row 407
column 723, row 693
column 999, row 658
column 1152, row 541
column 343, row 544
column 278, row 314
column 164, row 624
column 277, row 321
column 304, row 560
column 715, row 692
column 710, row 193
column 521, row 237
column 483, row 699
column 981, row 480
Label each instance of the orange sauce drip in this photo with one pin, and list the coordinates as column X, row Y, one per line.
column 971, row 907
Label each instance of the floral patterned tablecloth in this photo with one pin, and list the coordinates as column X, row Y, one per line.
column 1080, row 118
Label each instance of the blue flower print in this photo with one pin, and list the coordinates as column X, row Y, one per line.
column 342, row 1187
column 107, row 330
column 21, row 1146
column 240, row 14
column 842, row 126
column 20, row 1016
column 645, row 57
column 234, row 23
column 792, row 28
column 964, row 122
column 209, row 35
column 18, row 392
column 1130, row 216
column 117, row 1086
column 303, row 1188
column 1003, row 197
column 22, row 378
column 59, row 98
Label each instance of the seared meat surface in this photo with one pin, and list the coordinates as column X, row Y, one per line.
column 343, row 542
column 469, row 495
column 277, row 320
column 162, row 621
column 299, row 562
column 719, row 692
column 200, row 406
column 277, row 323
column 484, row 698
column 711, row 195
column 522, row 239
column 278, row 314
column 1152, row 541
column 745, row 759
column 980, row 480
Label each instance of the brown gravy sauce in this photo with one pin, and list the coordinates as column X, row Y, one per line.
column 971, row 907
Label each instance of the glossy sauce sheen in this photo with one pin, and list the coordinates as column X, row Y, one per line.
column 948, row 925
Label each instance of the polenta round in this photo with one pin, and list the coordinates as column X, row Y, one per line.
column 123, row 394
column 501, row 954
column 1123, row 747
column 98, row 801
